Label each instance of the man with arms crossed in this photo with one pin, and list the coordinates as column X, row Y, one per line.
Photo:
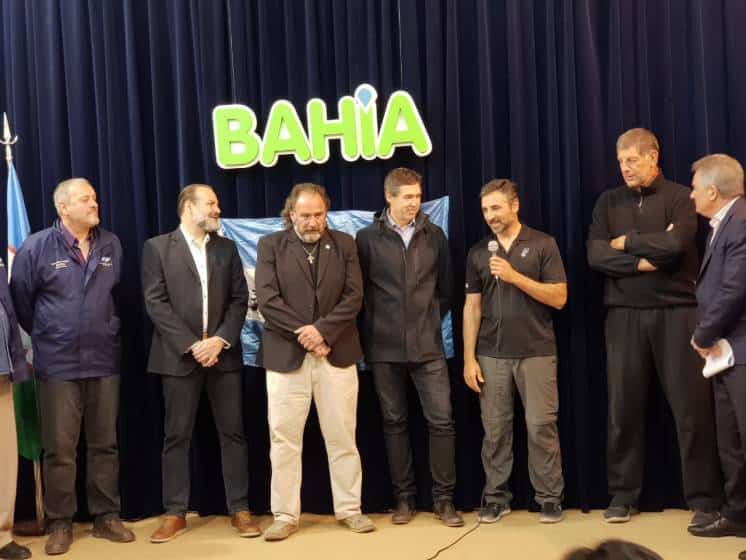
column 643, row 240
column 514, row 279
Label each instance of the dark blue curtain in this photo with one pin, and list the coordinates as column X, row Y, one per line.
column 121, row 92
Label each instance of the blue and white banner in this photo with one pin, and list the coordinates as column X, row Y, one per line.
column 246, row 234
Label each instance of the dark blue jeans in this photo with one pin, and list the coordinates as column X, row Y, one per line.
column 434, row 389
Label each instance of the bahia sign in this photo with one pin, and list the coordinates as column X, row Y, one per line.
column 238, row 145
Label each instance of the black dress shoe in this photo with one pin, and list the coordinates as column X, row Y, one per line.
column 721, row 527
column 404, row 512
column 14, row 551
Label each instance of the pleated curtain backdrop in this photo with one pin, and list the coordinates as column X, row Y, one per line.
column 121, row 92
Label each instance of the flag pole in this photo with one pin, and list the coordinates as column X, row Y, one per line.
column 8, row 141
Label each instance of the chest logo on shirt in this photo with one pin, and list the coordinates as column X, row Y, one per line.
column 60, row 264
column 105, row 261
column 524, row 252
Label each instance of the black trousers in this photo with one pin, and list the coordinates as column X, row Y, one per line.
column 642, row 343
column 730, row 412
column 434, row 389
column 181, row 396
column 63, row 405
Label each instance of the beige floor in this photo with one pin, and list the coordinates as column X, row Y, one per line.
column 516, row 536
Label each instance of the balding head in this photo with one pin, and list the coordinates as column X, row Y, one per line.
column 75, row 201
column 62, row 191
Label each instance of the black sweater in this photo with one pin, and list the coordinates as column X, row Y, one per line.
column 644, row 216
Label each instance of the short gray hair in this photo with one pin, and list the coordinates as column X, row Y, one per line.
column 62, row 191
column 721, row 171
column 640, row 138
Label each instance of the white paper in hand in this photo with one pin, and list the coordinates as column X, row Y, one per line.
column 725, row 360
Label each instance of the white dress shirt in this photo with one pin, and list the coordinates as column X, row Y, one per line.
column 198, row 249
column 718, row 218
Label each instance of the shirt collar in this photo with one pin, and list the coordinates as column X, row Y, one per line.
column 720, row 215
column 193, row 241
column 390, row 221
column 70, row 239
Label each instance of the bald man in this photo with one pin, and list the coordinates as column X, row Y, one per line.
column 62, row 285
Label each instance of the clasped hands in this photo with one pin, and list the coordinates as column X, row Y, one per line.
column 206, row 351
column 310, row 338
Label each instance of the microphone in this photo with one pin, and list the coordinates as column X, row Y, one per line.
column 492, row 248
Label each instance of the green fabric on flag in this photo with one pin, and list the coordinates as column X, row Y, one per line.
column 27, row 419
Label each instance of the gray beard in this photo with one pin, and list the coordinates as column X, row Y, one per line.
column 311, row 237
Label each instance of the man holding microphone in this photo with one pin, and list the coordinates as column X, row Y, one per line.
column 514, row 279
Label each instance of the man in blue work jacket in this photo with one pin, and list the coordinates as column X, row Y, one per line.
column 62, row 283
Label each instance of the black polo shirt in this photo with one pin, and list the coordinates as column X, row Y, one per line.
column 515, row 325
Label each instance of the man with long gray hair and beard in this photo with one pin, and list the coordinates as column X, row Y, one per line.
column 309, row 289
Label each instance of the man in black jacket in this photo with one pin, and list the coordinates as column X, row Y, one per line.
column 643, row 240
column 406, row 273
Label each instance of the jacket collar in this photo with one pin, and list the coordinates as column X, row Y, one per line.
column 420, row 220
column 720, row 235
column 295, row 248
column 651, row 189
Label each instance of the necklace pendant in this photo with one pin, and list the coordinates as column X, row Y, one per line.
column 310, row 259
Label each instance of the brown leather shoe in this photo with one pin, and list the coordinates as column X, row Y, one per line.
column 60, row 538
column 243, row 523
column 110, row 527
column 171, row 527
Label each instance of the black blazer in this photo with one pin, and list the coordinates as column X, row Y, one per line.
column 286, row 298
column 721, row 292
column 173, row 300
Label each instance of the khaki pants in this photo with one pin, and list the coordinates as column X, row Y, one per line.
column 289, row 395
column 8, row 460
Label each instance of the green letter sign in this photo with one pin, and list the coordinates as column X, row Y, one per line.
column 356, row 127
